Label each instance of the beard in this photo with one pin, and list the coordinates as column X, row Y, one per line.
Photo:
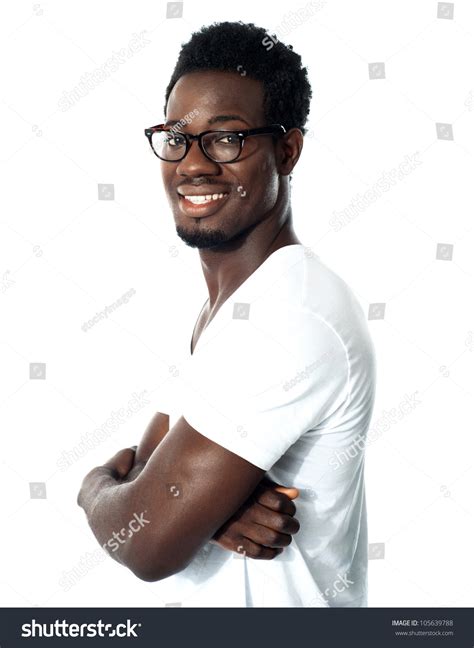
column 215, row 239
column 200, row 238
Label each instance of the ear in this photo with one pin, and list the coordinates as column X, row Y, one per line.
column 289, row 150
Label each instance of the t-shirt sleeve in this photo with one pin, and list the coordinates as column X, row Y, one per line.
column 257, row 385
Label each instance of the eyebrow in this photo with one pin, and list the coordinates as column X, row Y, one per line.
column 225, row 118
column 214, row 120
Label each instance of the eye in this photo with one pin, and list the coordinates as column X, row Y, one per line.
column 175, row 140
column 229, row 138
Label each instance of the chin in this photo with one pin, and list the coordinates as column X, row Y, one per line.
column 202, row 239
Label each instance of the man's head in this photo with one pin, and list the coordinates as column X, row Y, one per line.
column 226, row 79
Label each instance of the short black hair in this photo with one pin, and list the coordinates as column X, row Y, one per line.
column 245, row 48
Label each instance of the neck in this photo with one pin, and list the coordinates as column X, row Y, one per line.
column 229, row 266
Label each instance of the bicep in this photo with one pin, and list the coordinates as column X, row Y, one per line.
column 192, row 486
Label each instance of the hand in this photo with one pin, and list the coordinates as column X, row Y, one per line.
column 127, row 464
column 156, row 431
column 152, row 437
column 117, row 470
column 263, row 525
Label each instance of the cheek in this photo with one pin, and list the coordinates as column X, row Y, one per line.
column 266, row 185
column 166, row 174
column 259, row 186
column 167, row 177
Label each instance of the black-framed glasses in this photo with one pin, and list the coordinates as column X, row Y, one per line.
column 222, row 146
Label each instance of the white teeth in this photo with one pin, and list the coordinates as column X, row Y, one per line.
column 199, row 200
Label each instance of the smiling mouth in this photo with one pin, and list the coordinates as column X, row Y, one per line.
column 203, row 199
column 203, row 205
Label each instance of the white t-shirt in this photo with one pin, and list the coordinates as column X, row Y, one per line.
column 284, row 376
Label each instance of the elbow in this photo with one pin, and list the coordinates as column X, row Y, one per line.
column 151, row 573
column 153, row 564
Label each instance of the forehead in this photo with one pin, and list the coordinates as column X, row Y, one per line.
column 216, row 92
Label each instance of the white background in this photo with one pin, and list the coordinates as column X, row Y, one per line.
column 65, row 255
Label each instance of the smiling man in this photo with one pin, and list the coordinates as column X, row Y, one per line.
column 279, row 379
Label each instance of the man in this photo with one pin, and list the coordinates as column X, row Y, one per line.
column 279, row 383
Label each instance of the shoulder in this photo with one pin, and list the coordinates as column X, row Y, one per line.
column 330, row 296
column 265, row 352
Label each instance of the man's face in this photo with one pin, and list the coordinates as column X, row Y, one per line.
column 225, row 101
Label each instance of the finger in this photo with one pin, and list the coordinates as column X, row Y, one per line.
column 122, row 462
column 266, row 537
column 275, row 500
column 290, row 492
column 287, row 524
column 280, row 522
column 256, row 551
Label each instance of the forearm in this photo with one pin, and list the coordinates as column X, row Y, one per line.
column 132, row 520
column 111, row 504
column 108, row 506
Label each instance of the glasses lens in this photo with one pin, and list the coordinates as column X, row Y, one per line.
column 223, row 146
column 168, row 145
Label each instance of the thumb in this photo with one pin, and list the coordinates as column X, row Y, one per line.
column 122, row 462
column 290, row 492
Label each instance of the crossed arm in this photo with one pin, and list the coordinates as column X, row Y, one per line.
column 187, row 491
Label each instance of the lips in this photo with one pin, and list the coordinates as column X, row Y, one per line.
column 199, row 199
column 198, row 205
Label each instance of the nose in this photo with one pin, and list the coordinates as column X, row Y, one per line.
column 195, row 163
